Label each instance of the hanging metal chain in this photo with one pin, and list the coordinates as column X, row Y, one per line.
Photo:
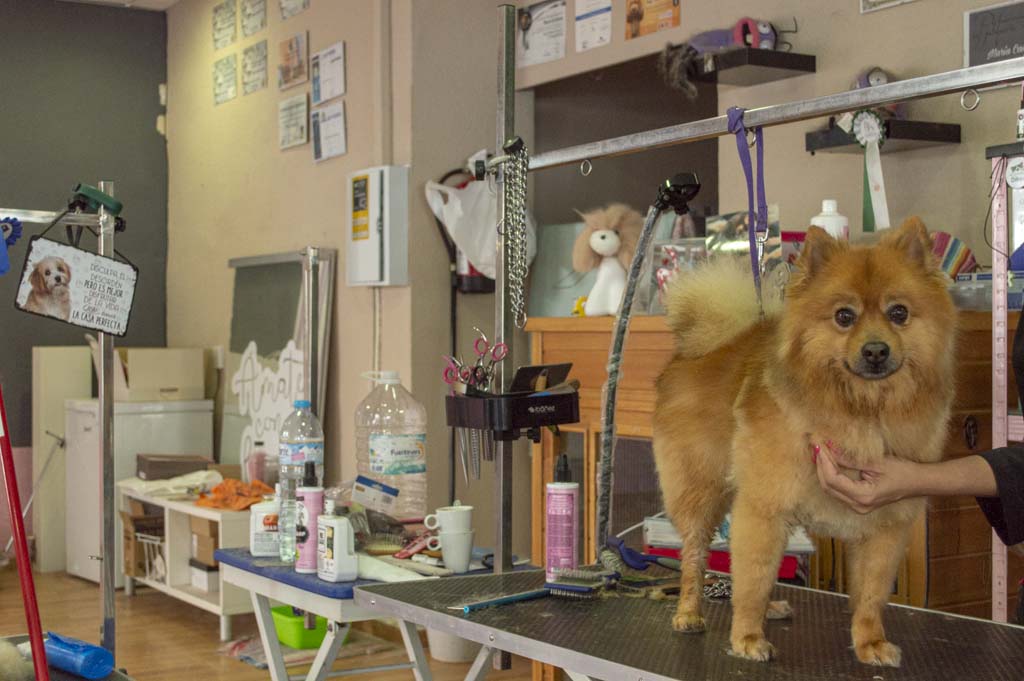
column 515, row 169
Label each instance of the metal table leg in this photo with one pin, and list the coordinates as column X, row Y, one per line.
column 336, row 633
column 413, row 646
column 478, row 672
column 268, row 635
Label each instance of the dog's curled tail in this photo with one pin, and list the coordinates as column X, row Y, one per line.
column 712, row 305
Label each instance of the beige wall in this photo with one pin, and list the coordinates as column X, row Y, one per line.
column 233, row 193
column 946, row 185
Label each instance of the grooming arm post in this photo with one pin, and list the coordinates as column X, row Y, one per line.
column 504, row 331
column 108, row 538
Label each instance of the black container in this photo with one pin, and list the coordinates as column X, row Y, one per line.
column 508, row 415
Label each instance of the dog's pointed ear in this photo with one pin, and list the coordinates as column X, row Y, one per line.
column 911, row 238
column 819, row 247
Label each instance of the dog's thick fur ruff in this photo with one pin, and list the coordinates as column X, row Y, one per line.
column 743, row 398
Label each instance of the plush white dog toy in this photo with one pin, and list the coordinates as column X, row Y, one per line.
column 607, row 242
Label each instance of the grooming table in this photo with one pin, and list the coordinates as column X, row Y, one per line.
column 618, row 638
column 268, row 579
column 58, row 675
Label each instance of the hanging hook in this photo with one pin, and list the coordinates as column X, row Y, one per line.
column 751, row 139
column 964, row 99
column 586, row 167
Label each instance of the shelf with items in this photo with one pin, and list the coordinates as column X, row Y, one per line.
column 751, row 66
column 232, row 530
column 900, row 135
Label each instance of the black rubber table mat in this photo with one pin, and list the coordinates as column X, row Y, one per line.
column 627, row 638
column 58, row 675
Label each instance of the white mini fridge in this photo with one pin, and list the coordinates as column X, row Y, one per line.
column 184, row 427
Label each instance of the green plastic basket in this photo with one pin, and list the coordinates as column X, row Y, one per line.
column 292, row 633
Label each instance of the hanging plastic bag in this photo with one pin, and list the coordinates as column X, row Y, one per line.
column 470, row 215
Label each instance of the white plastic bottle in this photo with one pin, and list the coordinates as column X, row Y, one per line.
column 301, row 440
column 264, row 539
column 832, row 221
column 391, row 437
column 335, row 547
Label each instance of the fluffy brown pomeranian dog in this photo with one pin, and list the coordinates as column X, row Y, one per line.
column 860, row 353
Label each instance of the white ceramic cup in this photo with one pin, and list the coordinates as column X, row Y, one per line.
column 457, row 549
column 455, row 518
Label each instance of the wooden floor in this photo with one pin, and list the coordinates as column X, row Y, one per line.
column 160, row 638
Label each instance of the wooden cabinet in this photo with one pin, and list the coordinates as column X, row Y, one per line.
column 948, row 564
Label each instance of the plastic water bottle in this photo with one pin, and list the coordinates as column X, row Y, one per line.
column 301, row 440
column 391, row 439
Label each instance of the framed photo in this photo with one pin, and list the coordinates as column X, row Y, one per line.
column 994, row 33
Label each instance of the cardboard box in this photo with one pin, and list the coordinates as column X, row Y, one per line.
column 202, row 526
column 158, row 374
column 227, row 471
column 204, row 577
column 203, row 548
column 133, row 525
column 164, row 466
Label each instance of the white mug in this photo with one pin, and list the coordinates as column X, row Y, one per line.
column 457, row 550
column 455, row 518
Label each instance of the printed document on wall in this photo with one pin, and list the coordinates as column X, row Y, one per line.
column 292, row 121
column 328, row 127
column 254, row 68
column 254, row 17
column 225, row 79
column 327, row 70
column 224, row 24
column 540, row 36
column 593, row 24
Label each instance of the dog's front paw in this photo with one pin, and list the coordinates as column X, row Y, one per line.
column 753, row 647
column 879, row 653
column 688, row 622
column 779, row 610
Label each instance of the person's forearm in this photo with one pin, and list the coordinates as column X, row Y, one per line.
column 970, row 475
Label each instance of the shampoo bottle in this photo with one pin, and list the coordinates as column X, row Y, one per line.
column 335, row 547
column 309, row 504
column 264, row 537
column 832, row 221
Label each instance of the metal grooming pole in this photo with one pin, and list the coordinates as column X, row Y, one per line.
column 960, row 80
column 504, row 327
column 105, row 223
column 105, row 379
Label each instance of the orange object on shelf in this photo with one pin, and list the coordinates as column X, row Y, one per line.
column 234, row 495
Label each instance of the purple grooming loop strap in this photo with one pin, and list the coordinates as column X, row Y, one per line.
column 757, row 222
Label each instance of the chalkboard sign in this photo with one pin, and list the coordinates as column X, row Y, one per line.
column 994, row 33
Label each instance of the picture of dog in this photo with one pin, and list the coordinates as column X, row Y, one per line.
column 50, row 294
column 861, row 353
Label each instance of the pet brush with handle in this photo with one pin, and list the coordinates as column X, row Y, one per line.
column 640, row 561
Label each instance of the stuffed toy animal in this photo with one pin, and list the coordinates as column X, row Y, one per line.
column 678, row 63
column 607, row 243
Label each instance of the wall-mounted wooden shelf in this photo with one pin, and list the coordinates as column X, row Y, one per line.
column 900, row 135
column 750, row 66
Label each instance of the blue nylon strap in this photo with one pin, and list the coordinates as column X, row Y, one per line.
column 757, row 221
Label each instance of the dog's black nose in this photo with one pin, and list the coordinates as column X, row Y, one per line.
column 875, row 352
column 603, row 237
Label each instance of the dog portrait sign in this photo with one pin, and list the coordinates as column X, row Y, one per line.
column 78, row 287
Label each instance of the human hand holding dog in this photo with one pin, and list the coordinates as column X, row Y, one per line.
column 891, row 479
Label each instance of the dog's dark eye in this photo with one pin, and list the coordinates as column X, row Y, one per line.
column 47, row 272
column 898, row 314
column 845, row 317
